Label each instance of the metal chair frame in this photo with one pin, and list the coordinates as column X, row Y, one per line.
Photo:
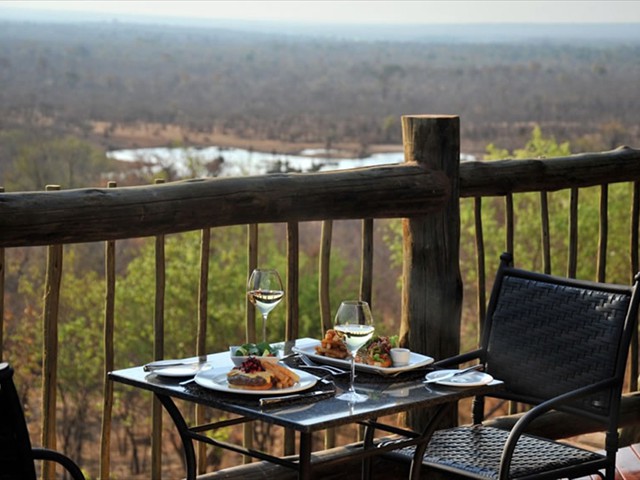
column 17, row 456
column 557, row 343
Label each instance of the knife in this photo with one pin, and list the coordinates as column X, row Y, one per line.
column 270, row 401
column 457, row 373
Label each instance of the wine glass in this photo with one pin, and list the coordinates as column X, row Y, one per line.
column 265, row 291
column 354, row 323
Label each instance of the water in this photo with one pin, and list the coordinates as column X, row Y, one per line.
column 189, row 162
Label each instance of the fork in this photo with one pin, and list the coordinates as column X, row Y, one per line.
column 311, row 364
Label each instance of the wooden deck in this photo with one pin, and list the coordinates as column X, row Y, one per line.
column 628, row 464
column 628, row 461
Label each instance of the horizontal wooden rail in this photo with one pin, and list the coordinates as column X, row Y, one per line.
column 584, row 170
column 97, row 214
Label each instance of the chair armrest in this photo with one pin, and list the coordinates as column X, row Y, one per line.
column 458, row 359
column 53, row 456
column 537, row 411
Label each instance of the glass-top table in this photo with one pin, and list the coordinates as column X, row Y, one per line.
column 387, row 396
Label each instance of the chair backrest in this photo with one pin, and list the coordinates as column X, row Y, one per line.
column 16, row 460
column 548, row 335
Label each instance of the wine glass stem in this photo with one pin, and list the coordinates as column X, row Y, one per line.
column 264, row 328
column 353, row 373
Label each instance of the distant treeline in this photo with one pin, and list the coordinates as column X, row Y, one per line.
column 295, row 88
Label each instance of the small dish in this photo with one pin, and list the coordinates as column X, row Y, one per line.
column 400, row 356
column 469, row 379
column 186, row 370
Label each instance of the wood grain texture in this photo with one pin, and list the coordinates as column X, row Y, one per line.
column 549, row 174
column 95, row 214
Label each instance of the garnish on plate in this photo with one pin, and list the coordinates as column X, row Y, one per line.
column 377, row 351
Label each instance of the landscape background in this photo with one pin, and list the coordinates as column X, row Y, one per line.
column 74, row 87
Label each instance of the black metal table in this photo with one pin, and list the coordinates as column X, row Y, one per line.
column 387, row 396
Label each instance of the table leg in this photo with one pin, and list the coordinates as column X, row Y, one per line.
column 304, row 471
column 183, row 430
column 369, row 432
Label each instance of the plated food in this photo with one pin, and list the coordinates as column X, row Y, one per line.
column 257, row 374
column 376, row 352
column 332, row 346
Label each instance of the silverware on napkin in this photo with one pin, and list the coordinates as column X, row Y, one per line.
column 272, row 401
column 456, row 373
column 160, row 364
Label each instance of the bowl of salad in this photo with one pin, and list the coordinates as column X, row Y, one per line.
column 265, row 351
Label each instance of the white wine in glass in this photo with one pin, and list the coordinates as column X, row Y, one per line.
column 265, row 291
column 354, row 323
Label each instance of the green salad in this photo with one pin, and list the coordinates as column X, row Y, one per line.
column 262, row 349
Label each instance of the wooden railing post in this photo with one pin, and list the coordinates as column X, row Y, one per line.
column 109, row 356
column 158, row 354
column 50, row 350
column 432, row 285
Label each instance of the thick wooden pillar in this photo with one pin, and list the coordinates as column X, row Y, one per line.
column 432, row 285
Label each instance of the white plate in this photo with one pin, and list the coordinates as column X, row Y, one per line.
column 216, row 379
column 181, row 370
column 415, row 361
column 469, row 379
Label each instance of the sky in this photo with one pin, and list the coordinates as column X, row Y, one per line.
column 363, row 11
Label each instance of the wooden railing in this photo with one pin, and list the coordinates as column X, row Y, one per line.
column 425, row 191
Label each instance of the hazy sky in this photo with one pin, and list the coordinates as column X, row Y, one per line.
column 365, row 11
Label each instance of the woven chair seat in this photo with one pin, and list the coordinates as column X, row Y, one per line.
column 476, row 450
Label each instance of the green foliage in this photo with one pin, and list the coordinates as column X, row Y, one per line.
column 528, row 250
column 30, row 161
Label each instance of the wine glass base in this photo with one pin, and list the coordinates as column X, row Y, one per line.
column 353, row 397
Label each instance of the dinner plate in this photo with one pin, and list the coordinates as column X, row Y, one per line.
column 469, row 379
column 216, row 379
column 181, row 370
column 415, row 361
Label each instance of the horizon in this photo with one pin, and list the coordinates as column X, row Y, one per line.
column 390, row 13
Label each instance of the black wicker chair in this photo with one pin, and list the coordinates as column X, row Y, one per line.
column 16, row 453
column 557, row 343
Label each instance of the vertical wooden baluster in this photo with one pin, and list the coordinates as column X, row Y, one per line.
column 2, row 268
column 546, row 241
column 480, row 265
column 293, row 309
column 201, row 347
column 510, row 233
column 292, row 280
column 252, row 263
column 53, row 279
column 366, row 262
column 324, row 281
column 572, row 265
column 325, row 276
column 635, row 266
column 158, row 353
column 603, row 234
column 109, row 309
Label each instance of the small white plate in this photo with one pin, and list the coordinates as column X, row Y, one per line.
column 469, row 379
column 216, row 379
column 415, row 361
column 187, row 370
